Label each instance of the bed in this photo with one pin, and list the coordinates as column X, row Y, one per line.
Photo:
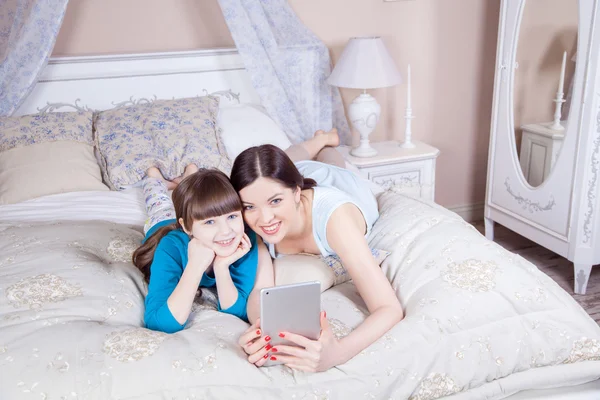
column 481, row 322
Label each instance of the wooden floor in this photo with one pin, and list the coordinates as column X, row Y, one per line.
column 553, row 265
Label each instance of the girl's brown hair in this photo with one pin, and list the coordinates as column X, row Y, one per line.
column 270, row 162
column 205, row 194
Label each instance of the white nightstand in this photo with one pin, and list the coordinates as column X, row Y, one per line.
column 408, row 171
column 540, row 147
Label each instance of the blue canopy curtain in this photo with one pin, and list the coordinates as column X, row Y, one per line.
column 287, row 63
column 288, row 66
column 28, row 30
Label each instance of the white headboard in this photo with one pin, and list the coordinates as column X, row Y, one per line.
column 103, row 82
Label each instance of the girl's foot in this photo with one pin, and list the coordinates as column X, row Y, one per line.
column 154, row 172
column 189, row 170
column 331, row 138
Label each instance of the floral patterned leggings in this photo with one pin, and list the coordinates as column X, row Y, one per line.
column 159, row 205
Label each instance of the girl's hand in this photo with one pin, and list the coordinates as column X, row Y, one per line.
column 256, row 346
column 313, row 355
column 199, row 256
column 242, row 249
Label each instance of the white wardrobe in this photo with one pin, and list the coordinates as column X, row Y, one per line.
column 563, row 212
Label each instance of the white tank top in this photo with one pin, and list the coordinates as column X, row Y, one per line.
column 335, row 186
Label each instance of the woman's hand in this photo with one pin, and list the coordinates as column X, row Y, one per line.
column 242, row 249
column 312, row 355
column 256, row 346
column 199, row 256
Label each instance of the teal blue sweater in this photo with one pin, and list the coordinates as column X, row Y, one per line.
column 170, row 259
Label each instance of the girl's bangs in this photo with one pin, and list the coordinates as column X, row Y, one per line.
column 217, row 198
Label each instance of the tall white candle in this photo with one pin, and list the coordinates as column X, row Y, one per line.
column 408, row 96
column 561, row 81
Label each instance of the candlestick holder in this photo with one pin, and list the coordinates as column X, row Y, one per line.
column 559, row 96
column 408, row 115
column 556, row 125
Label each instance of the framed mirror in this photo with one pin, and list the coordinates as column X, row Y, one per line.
column 544, row 165
column 544, row 75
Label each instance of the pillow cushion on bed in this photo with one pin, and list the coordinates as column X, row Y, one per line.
column 247, row 125
column 168, row 134
column 329, row 270
column 341, row 275
column 45, row 154
column 297, row 268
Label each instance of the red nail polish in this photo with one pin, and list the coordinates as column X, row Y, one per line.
column 268, row 347
column 281, row 335
column 258, row 332
column 325, row 314
column 273, row 358
column 266, row 355
column 267, row 338
column 274, row 350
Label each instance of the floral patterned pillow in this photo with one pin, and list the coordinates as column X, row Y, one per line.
column 167, row 134
column 32, row 129
column 341, row 275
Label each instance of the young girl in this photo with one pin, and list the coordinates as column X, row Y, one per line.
column 197, row 239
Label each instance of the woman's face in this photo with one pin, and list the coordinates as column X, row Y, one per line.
column 269, row 208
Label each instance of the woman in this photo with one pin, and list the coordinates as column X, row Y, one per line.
column 301, row 206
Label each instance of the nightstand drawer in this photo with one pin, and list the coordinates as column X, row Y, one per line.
column 412, row 178
column 409, row 171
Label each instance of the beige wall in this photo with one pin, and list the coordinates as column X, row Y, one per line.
column 450, row 45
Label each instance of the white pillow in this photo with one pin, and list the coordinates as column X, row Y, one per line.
column 298, row 268
column 329, row 270
column 246, row 125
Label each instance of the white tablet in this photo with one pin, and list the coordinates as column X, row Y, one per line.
column 291, row 308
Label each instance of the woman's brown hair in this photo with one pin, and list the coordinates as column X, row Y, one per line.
column 270, row 162
column 204, row 194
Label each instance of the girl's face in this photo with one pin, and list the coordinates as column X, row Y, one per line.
column 222, row 234
column 269, row 208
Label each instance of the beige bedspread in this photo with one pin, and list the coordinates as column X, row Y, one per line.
column 481, row 322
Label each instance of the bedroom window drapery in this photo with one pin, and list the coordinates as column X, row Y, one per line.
column 28, row 30
column 288, row 66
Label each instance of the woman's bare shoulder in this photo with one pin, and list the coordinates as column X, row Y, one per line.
column 346, row 216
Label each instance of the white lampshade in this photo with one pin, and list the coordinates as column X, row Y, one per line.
column 365, row 64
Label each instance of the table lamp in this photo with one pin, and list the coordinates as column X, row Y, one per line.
column 364, row 64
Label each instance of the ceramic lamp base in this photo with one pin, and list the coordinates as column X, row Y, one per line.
column 364, row 113
column 363, row 150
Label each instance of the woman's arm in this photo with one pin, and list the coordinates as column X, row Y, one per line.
column 345, row 234
column 265, row 277
column 254, row 344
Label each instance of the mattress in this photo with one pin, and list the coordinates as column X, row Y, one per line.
column 481, row 322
